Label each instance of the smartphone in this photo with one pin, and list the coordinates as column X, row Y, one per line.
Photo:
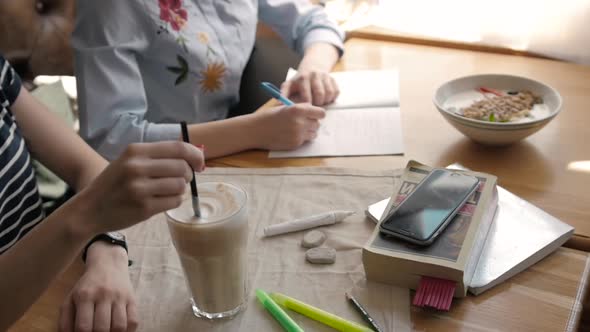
column 424, row 214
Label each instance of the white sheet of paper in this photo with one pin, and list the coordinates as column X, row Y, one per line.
column 353, row 132
column 364, row 88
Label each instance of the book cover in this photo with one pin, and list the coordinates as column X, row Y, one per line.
column 453, row 256
column 521, row 234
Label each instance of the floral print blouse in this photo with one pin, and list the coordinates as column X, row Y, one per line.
column 145, row 65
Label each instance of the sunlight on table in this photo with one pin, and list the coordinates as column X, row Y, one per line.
column 579, row 166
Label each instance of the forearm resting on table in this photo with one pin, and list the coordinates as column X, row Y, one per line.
column 28, row 268
column 225, row 137
column 319, row 57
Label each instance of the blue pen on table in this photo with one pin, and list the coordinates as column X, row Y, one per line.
column 276, row 93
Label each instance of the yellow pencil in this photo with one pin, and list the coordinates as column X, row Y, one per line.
column 319, row 315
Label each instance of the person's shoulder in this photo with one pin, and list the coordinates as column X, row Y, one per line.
column 112, row 8
column 108, row 22
column 7, row 73
column 9, row 81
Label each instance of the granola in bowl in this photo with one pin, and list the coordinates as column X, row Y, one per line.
column 502, row 107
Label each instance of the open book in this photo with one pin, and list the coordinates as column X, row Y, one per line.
column 520, row 235
column 364, row 120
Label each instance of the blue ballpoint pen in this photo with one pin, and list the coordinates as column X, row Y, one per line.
column 276, row 93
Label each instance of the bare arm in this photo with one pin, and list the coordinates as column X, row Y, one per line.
column 147, row 179
column 56, row 145
column 279, row 128
column 307, row 29
column 32, row 266
column 225, row 137
column 61, row 231
column 320, row 57
column 78, row 164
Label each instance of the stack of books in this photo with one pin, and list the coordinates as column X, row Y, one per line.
column 502, row 236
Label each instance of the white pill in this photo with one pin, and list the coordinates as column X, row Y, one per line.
column 313, row 239
column 321, row 255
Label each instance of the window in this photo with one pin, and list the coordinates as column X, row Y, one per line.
column 559, row 29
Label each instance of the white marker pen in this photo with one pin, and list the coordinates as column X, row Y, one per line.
column 322, row 219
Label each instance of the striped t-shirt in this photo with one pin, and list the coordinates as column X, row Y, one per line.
column 20, row 204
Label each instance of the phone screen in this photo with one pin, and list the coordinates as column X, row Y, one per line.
column 433, row 202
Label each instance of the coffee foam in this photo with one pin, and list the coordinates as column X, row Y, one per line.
column 218, row 201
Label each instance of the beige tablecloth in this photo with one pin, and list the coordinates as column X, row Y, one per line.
column 277, row 264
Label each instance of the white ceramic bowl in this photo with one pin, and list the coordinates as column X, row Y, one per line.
column 461, row 92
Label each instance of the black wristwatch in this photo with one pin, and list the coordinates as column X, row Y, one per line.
column 114, row 238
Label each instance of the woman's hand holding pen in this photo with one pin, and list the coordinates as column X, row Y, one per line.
column 288, row 127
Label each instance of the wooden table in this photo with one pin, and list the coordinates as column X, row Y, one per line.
column 547, row 296
column 537, row 169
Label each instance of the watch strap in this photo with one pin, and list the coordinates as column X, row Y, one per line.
column 118, row 240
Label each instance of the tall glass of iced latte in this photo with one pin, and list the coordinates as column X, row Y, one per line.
column 213, row 249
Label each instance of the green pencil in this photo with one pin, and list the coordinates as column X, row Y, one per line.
column 279, row 314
